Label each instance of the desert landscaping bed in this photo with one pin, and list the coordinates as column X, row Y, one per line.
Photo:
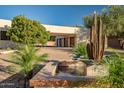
column 64, row 74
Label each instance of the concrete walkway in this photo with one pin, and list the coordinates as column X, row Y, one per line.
column 49, row 70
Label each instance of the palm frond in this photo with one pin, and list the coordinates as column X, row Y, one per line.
column 26, row 57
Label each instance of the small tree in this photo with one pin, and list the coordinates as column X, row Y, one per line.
column 26, row 57
column 112, row 17
column 88, row 21
column 27, row 31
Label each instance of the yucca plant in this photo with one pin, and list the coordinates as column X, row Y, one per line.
column 27, row 58
column 80, row 51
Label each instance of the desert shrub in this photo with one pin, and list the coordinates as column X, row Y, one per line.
column 80, row 51
column 115, row 64
column 9, row 48
column 87, row 84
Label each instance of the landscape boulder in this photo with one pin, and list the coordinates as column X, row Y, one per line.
column 97, row 70
column 79, row 68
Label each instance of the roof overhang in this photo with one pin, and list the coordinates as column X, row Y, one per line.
column 53, row 29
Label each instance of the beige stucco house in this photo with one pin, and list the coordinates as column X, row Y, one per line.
column 61, row 36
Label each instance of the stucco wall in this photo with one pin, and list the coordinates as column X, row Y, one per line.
column 3, row 23
column 82, row 35
column 61, row 29
column 7, row 44
column 51, row 43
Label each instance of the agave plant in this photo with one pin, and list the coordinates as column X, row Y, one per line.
column 80, row 51
column 26, row 57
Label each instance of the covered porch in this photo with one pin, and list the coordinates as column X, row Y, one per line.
column 64, row 40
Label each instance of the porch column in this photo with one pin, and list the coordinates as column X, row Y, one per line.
column 58, row 42
column 68, row 41
column 62, row 42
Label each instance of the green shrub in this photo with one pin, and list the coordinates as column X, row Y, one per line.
column 26, row 57
column 80, row 51
column 8, row 48
column 115, row 63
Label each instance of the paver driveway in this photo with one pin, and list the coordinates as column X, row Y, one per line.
column 57, row 53
column 53, row 54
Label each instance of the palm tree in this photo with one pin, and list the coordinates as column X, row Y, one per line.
column 26, row 57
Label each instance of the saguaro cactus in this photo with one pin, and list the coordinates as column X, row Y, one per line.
column 95, row 47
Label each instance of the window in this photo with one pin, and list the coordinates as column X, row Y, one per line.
column 4, row 36
column 52, row 38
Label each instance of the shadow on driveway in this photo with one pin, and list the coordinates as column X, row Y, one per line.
column 17, row 80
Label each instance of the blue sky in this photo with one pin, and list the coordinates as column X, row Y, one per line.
column 54, row 15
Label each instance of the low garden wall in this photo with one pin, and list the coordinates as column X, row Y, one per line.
column 50, row 83
column 49, row 76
